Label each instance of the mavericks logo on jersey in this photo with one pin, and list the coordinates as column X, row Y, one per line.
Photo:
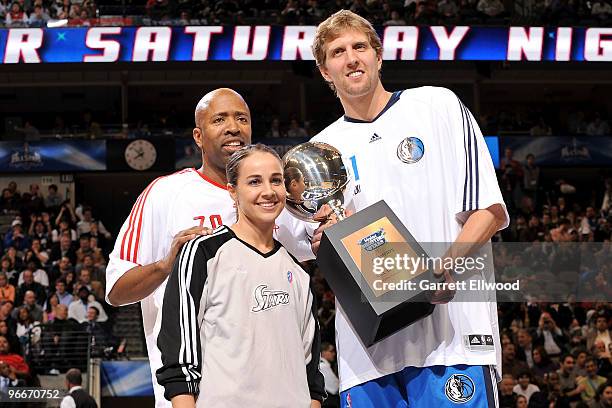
column 410, row 150
column 269, row 298
column 459, row 388
column 373, row 241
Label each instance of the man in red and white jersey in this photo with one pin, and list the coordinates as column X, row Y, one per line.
column 175, row 208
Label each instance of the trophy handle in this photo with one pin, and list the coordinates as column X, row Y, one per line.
column 336, row 206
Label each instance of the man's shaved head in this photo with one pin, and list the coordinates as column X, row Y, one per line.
column 204, row 103
column 223, row 126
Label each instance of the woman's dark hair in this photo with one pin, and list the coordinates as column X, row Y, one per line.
column 231, row 170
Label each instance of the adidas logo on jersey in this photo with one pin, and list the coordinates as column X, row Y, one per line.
column 475, row 341
column 375, row 138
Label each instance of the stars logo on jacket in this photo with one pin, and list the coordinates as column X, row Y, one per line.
column 410, row 150
column 267, row 299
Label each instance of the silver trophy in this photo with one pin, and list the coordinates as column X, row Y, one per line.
column 315, row 175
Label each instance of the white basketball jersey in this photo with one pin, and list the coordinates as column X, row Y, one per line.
column 425, row 156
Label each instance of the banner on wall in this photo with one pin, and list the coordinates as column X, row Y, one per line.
column 52, row 156
column 290, row 43
column 126, row 379
column 561, row 150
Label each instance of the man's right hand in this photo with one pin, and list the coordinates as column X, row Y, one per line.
column 142, row 280
column 326, row 217
column 178, row 241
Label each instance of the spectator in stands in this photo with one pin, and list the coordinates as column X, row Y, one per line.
column 491, row 8
column 275, row 130
column 50, row 308
column 38, row 18
column 6, row 267
column 53, row 199
column 95, row 287
column 78, row 308
column 531, row 179
column 16, row 237
column 315, row 12
column 10, row 203
column 7, row 291
column 84, row 249
column 9, row 333
column 510, row 364
column 38, row 273
column 98, row 244
column 567, row 377
column 63, row 249
column 295, row 130
column 601, row 10
column 37, row 202
column 15, row 361
column 16, row 17
column 395, row 20
column 64, row 297
column 16, row 261
column 604, row 396
column 29, row 285
column 101, row 338
column 77, row 397
column 600, row 332
column 588, row 224
column 85, row 224
column 507, row 397
column 542, row 364
column 29, row 304
column 448, row 9
column 550, row 336
column 61, row 268
column 37, row 253
column 6, row 311
column 598, row 127
column 60, row 337
column 563, row 232
column 328, row 358
column 541, row 128
column 602, row 356
column 97, row 272
column 423, row 14
column 589, row 384
column 8, row 379
column 524, row 386
column 28, row 328
column 580, row 361
column 525, row 347
column 67, row 214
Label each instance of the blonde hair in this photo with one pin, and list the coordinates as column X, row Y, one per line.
column 332, row 27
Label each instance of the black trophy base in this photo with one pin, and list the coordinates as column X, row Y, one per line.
column 372, row 317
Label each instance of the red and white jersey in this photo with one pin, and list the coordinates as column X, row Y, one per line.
column 167, row 206
column 425, row 156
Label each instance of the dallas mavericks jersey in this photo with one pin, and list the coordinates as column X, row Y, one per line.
column 425, row 156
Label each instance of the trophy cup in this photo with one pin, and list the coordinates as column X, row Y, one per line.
column 315, row 175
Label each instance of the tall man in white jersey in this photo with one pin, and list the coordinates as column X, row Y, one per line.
column 422, row 152
column 175, row 208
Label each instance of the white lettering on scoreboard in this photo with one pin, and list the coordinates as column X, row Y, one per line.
column 253, row 43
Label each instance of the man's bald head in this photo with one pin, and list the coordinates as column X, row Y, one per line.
column 207, row 99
